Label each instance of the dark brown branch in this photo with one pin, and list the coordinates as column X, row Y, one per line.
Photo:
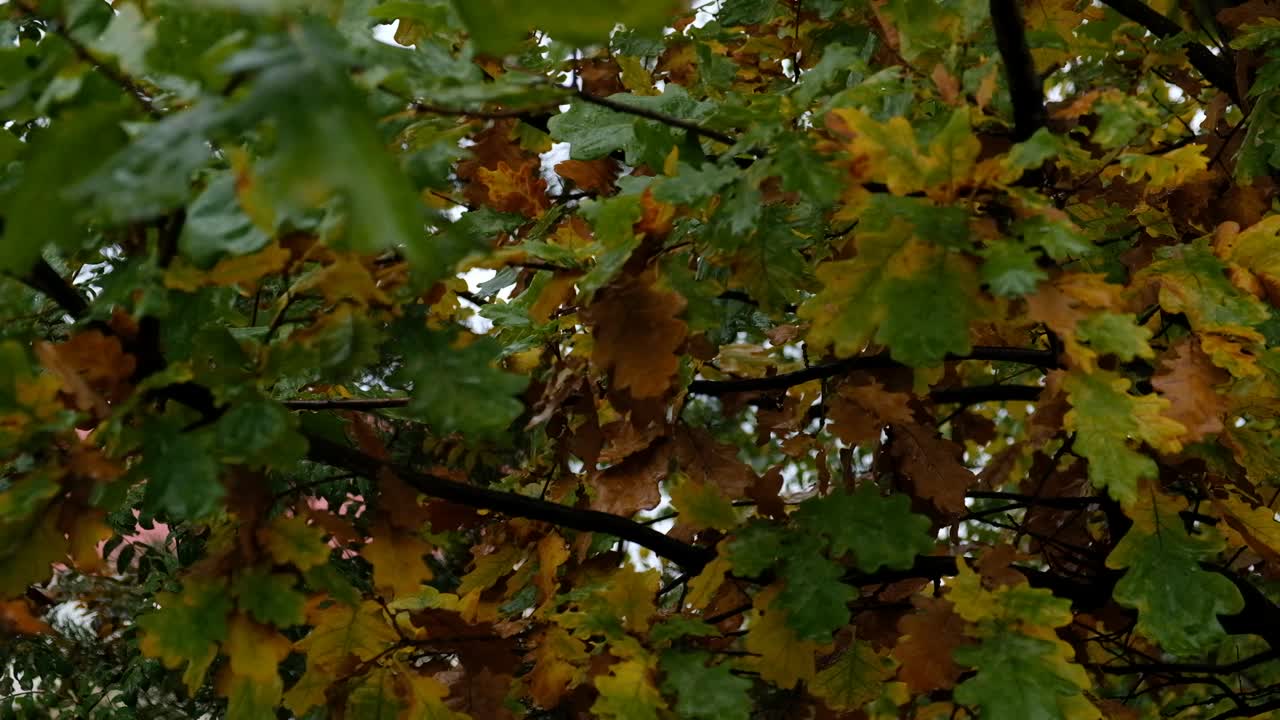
column 1249, row 711
column 689, row 557
column 1026, row 89
column 1210, row 668
column 663, row 118
column 44, row 279
column 358, row 404
column 1217, row 70
column 965, row 395
column 1039, row 358
column 126, row 83
column 1052, row 502
column 986, row 393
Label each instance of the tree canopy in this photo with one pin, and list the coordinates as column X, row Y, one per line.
column 823, row 359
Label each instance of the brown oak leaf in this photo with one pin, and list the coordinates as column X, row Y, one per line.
column 931, row 466
column 1188, row 379
column 924, row 650
column 638, row 335
column 632, row 485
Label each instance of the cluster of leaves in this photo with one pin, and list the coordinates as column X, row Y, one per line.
column 765, row 358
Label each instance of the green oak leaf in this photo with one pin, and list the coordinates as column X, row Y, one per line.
column 501, row 26
column 900, row 291
column 1011, row 270
column 269, row 598
column 456, row 389
column 880, row 531
column 181, row 474
column 35, row 211
column 1108, row 421
column 814, row 595
column 1115, row 334
column 1178, row 602
column 1018, row 677
column 1192, row 280
column 693, row 185
column 705, row 692
column 187, row 628
column 1060, row 239
column 756, row 548
column 216, row 226
column 258, row 430
column 592, row 131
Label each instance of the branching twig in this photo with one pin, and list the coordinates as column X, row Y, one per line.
column 1038, row 358
column 689, row 557
column 656, row 116
column 1217, row 70
column 126, row 83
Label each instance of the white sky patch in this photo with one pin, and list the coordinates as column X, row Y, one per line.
column 387, row 33
column 558, row 153
column 1197, row 120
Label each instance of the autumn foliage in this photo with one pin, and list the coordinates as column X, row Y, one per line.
column 861, row 359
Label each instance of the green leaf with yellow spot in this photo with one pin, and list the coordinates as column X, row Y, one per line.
column 627, row 693
column 855, row 678
column 1110, row 423
column 187, row 628
column 1177, row 600
column 1192, row 280
column 1115, row 334
column 899, row 291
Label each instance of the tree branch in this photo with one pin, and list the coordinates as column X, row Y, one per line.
column 964, row 395
column 357, row 404
column 689, row 557
column 1026, row 89
column 1038, row 358
column 126, row 83
column 663, row 118
column 44, row 279
column 1209, row 668
column 1217, row 70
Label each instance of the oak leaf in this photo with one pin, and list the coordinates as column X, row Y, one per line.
column 638, row 335
column 1189, row 380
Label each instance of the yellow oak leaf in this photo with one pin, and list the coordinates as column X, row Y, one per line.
column 627, row 692
column 784, row 658
column 255, row 649
column 552, row 552
column 242, row 270
column 489, row 569
column 399, row 565
column 346, row 279
column 290, row 540
column 343, row 635
column 557, row 666
column 855, row 678
column 631, row 595
column 703, row 587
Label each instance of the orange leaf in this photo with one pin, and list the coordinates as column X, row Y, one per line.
column 596, row 176
column 16, row 617
column 518, row 189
